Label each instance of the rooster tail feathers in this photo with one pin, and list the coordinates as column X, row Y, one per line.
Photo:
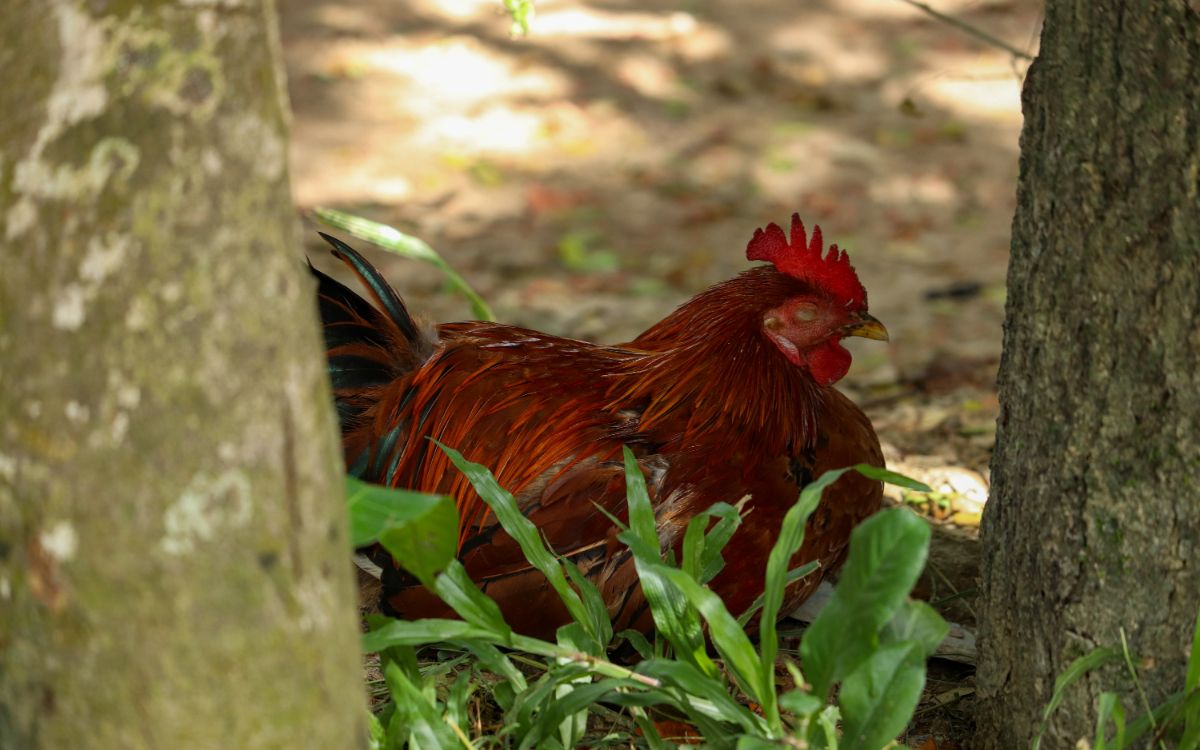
column 367, row 345
column 381, row 291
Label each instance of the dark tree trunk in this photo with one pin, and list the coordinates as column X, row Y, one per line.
column 174, row 566
column 1094, row 524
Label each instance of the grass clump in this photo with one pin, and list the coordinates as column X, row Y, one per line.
column 868, row 646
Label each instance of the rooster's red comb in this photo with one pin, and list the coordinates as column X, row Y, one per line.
column 802, row 260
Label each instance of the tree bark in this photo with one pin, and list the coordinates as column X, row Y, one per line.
column 1094, row 523
column 173, row 551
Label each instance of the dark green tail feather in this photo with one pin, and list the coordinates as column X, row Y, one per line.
column 367, row 346
column 382, row 291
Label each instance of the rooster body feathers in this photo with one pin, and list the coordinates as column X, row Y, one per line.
column 719, row 401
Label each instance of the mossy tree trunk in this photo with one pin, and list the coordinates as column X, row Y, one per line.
column 1094, row 524
column 173, row 552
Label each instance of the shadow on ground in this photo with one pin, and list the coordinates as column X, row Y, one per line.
column 593, row 175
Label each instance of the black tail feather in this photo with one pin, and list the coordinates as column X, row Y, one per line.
column 384, row 295
column 367, row 346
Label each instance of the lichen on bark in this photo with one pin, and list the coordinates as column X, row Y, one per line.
column 173, row 567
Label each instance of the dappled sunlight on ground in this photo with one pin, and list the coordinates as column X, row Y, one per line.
column 591, row 176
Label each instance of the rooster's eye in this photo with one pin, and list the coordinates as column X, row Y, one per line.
column 772, row 323
column 805, row 314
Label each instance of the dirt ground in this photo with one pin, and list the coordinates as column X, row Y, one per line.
column 589, row 177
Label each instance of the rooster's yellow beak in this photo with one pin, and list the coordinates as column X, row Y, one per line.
column 867, row 327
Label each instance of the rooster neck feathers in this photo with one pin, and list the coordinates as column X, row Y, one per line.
column 710, row 361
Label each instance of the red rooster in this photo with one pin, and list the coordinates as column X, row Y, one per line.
column 728, row 396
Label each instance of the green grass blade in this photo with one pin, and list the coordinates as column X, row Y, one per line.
column 405, row 245
column 691, row 681
column 552, row 715
column 891, row 477
column 520, row 11
column 1110, row 707
column 423, row 721
column 528, row 703
column 639, row 642
column 593, row 604
column 827, row 724
column 526, row 535
column 711, row 561
column 457, row 589
column 1191, row 683
column 456, row 700
column 673, row 618
column 795, row 574
column 376, row 735
column 1173, row 706
column 1093, row 659
column 702, row 549
column 421, row 632
column 791, row 536
column 641, row 513
column 727, row 636
column 650, row 734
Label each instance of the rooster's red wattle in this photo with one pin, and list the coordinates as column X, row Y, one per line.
column 729, row 396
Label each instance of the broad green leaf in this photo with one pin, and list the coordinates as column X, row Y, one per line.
column 877, row 698
column 800, row 703
column 791, row 538
column 405, row 245
column 372, row 508
column 916, row 622
column 887, row 553
column 419, row 530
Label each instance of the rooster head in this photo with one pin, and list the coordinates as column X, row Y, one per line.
column 808, row 327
